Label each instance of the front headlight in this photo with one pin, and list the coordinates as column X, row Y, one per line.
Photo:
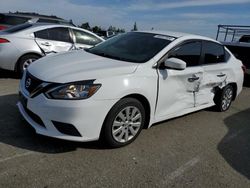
column 73, row 91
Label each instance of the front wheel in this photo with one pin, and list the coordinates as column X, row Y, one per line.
column 224, row 98
column 124, row 123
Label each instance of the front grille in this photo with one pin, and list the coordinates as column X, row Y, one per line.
column 31, row 83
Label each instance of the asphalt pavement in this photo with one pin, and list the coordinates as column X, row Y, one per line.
column 202, row 149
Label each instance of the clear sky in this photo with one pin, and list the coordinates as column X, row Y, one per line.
column 193, row 16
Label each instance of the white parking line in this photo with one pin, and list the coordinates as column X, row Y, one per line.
column 16, row 156
column 181, row 170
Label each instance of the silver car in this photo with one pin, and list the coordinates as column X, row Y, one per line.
column 11, row 19
column 21, row 45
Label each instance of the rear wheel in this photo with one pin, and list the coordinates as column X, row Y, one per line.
column 25, row 61
column 124, row 122
column 224, row 98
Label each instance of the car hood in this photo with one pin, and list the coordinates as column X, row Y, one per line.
column 76, row 66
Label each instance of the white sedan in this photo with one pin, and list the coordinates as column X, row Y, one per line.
column 127, row 83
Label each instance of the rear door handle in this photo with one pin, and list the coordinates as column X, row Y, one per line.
column 194, row 78
column 221, row 75
column 46, row 44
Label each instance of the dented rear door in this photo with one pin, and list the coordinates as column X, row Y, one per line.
column 54, row 40
column 216, row 72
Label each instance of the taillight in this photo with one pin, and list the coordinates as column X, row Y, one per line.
column 3, row 40
column 2, row 27
column 244, row 68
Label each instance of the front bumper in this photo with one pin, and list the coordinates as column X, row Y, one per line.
column 87, row 116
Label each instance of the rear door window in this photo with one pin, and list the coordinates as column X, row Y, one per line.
column 189, row 52
column 213, row 53
column 43, row 34
column 56, row 34
column 85, row 38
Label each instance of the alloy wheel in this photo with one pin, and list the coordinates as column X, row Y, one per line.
column 127, row 124
column 227, row 98
column 27, row 63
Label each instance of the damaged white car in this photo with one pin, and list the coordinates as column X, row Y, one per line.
column 127, row 83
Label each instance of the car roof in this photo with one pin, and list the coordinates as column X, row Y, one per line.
column 34, row 15
column 178, row 34
column 168, row 33
column 41, row 24
column 50, row 25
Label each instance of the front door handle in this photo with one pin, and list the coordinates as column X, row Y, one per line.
column 221, row 75
column 194, row 78
column 46, row 44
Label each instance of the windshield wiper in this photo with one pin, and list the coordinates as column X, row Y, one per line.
column 109, row 56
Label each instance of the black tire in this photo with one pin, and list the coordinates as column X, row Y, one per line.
column 118, row 108
column 22, row 60
column 223, row 100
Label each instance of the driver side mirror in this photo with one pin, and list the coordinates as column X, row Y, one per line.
column 175, row 63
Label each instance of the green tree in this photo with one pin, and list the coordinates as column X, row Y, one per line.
column 96, row 29
column 85, row 26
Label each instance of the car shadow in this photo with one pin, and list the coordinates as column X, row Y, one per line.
column 15, row 131
column 235, row 146
column 8, row 74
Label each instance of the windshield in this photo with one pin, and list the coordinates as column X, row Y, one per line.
column 133, row 46
column 12, row 20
